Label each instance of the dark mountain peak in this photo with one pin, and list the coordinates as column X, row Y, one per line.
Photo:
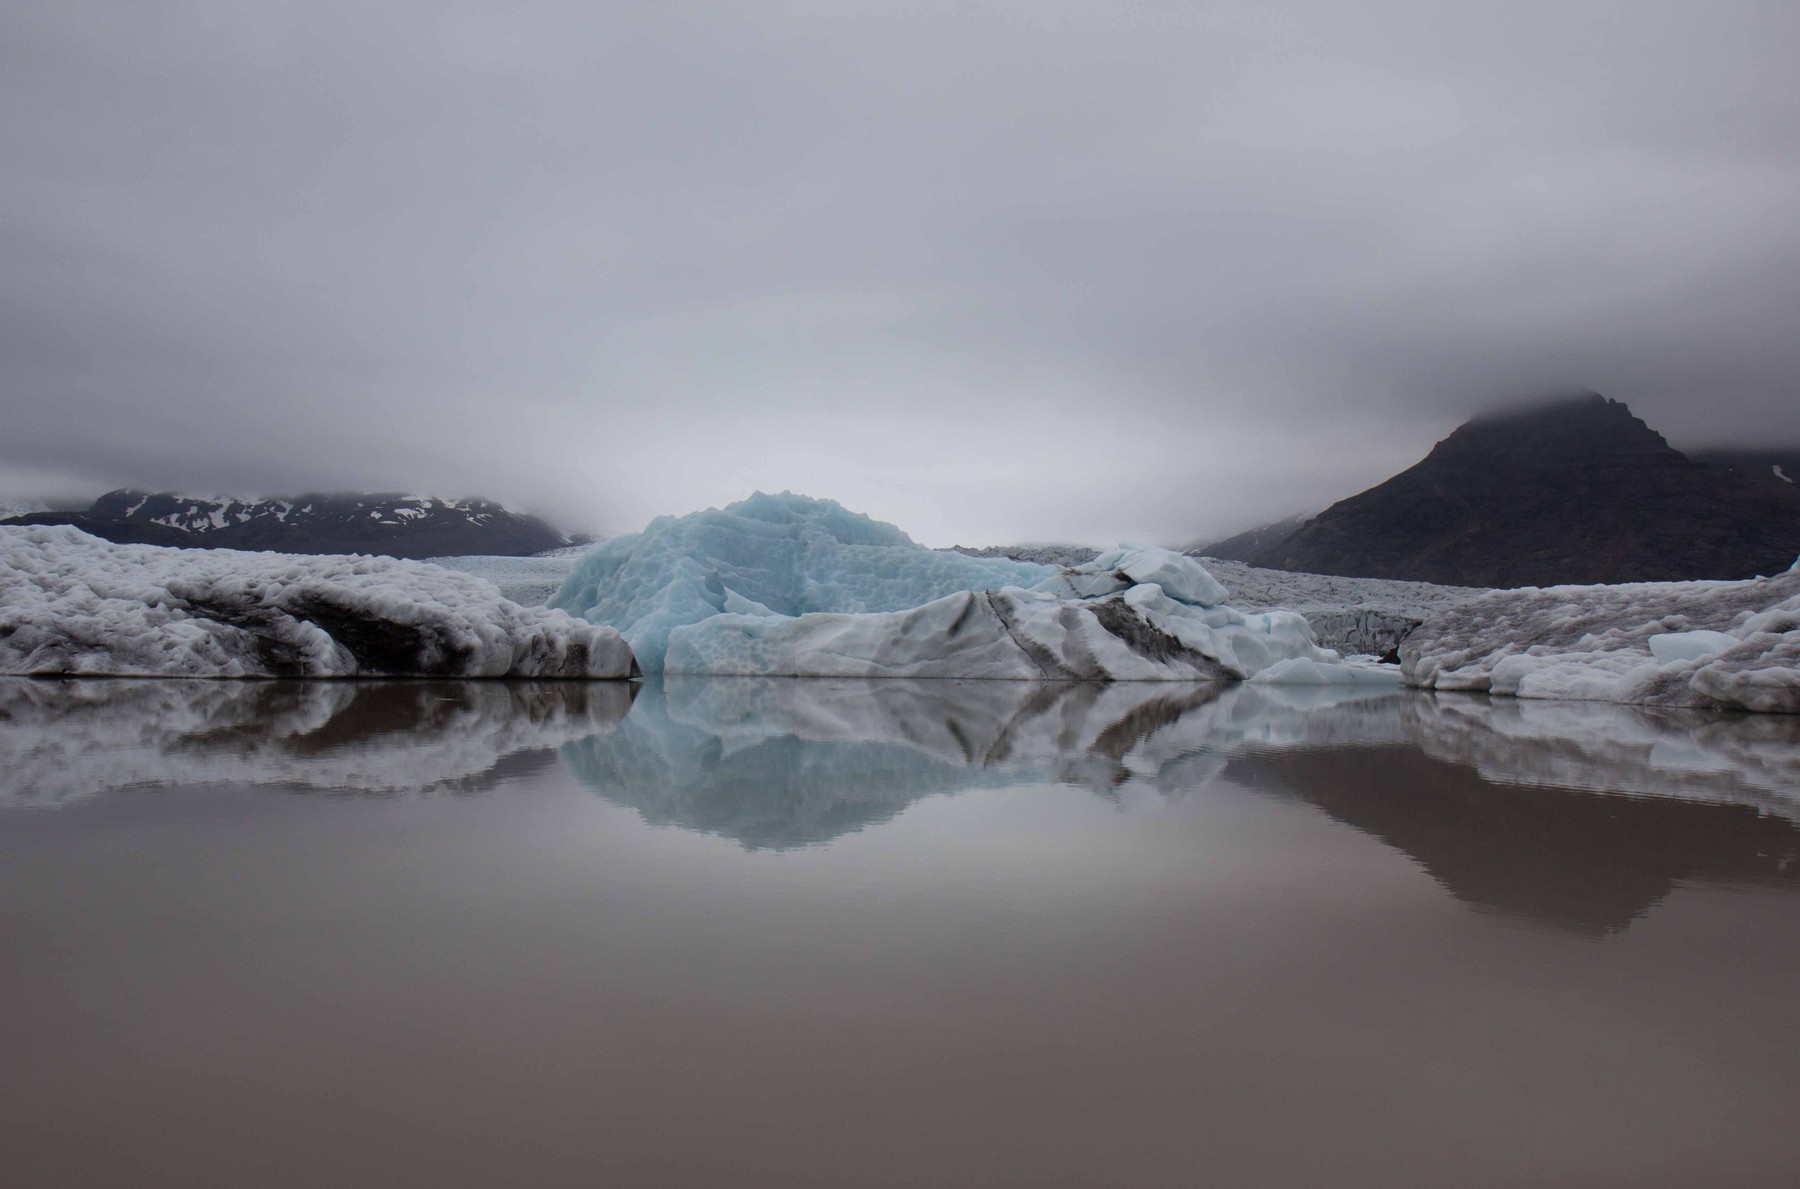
column 116, row 505
column 1571, row 490
column 1577, row 424
column 1569, row 402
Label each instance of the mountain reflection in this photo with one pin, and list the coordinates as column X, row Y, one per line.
column 1588, row 862
column 61, row 739
column 1577, row 815
column 1581, row 815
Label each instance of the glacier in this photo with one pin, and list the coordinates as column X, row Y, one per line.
column 72, row 604
column 1719, row 645
column 787, row 585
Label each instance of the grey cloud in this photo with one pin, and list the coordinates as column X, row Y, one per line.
column 1047, row 270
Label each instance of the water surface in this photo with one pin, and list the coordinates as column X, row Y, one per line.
column 890, row 933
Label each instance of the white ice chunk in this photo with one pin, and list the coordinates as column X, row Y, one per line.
column 1181, row 578
column 1301, row 670
column 1690, row 646
column 72, row 604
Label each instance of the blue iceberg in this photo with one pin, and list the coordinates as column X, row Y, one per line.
column 783, row 555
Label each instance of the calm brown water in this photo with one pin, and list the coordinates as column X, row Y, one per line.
column 945, row 934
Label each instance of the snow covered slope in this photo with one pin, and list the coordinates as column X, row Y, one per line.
column 1711, row 644
column 72, row 603
column 774, row 554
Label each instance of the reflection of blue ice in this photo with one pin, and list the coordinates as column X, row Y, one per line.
column 775, row 762
column 778, row 762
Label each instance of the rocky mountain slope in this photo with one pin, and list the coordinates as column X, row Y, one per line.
column 1251, row 542
column 1576, row 490
column 387, row 523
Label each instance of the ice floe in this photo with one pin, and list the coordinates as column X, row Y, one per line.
column 73, row 604
column 1697, row 644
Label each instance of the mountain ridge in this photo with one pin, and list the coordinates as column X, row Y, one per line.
column 1572, row 490
column 394, row 524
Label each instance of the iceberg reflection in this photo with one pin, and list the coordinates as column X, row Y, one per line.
column 783, row 762
column 65, row 738
column 1580, row 816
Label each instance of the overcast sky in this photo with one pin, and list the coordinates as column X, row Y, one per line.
column 1036, row 270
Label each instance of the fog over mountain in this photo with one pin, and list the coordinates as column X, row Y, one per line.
column 1048, row 271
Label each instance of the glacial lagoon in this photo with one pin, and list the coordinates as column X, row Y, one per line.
column 729, row 932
